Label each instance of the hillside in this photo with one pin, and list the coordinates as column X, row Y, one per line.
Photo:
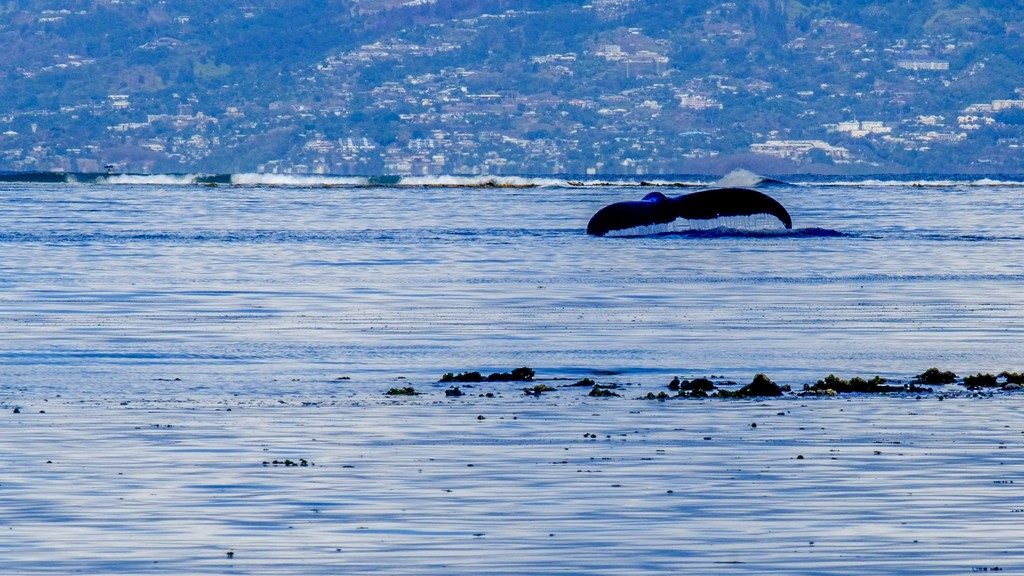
column 529, row 87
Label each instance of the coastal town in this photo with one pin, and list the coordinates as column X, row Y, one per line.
column 469, row 93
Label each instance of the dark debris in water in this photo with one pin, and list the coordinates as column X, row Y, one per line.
column 524, row 374
column 935, row 376
column 981, row 381
column 537, row 390
column 696, row 388
column 1013, row 377
column 602, row 391
column 462, row 377
column 760, row 387
column 288, row 463
column 833, row 385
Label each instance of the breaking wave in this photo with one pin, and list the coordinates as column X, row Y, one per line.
column 257, row 179
column 737, row 178
column 914, row 181
column 154, row 179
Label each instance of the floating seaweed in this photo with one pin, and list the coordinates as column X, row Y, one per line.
column 523, row 374
column 537, row 390
column 934, row 376
column 762, row 385
column 462, row 377
column 981, row 381
column 696, row 388
column 288, row 462
column 832, row 385
column 1012, row 377
column 660, row 396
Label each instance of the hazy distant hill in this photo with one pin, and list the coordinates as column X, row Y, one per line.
column 607, row 86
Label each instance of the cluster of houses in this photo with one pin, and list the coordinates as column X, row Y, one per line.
column 459, row 120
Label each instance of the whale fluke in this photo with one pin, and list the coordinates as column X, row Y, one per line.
column 656, row 208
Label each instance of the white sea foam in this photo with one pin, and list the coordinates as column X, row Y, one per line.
column 257, row 179
column 926, row 182
column 740, row 178
column 997, row 182
column 441, row 181
column 149, row 179
column 480, row 181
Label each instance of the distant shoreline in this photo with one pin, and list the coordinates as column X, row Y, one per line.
column 740, row 178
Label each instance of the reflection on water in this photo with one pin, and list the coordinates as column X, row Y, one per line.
column 560, row 484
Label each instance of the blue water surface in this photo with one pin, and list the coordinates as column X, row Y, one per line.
column 273, row 288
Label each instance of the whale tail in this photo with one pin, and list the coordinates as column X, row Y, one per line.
column 656, row 208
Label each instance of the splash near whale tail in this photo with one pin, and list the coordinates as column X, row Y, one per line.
column 656, row 208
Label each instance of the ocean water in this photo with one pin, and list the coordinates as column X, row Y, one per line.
column 117, row 284
column 193, row 378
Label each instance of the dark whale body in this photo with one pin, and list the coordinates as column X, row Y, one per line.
column 656, row 208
